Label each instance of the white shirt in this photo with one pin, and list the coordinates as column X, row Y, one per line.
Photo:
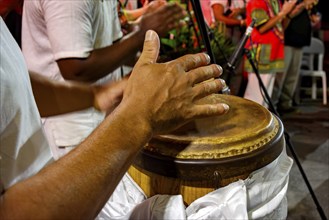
column 57, row 29
column 23, row 146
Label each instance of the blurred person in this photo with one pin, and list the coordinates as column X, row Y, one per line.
column 229, row 19
column 78, row 185
column 230, row 13
column 297, row 35
column 266, row 45
column 129, row 13
column 82, row 41
column 133, row 12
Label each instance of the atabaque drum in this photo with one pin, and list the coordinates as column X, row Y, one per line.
column 211, row 152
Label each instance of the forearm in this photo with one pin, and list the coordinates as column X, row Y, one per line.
column 272, row 22
column 57, row 97
column 218, row 10
column 102, row 61
column 228, row 21
column 75, row 181
column 134, row 14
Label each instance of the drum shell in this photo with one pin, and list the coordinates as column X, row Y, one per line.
column 159, row 172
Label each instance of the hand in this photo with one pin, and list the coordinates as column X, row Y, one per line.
column 151, row 6
column 165, row 95
column 297, row 10
column 288, row 6
column 161, row 19
column 109, row 96
column 235, row 12
column 309, row 4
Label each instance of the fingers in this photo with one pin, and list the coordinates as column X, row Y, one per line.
column 171, row 14
column 207, row 110
column 172, row 10
column 204, row 73
column 156, row 4
column 208, row 87
column 190, row 62
column 150, row 49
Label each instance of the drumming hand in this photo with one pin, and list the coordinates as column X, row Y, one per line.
column 165, row 95
column 109, row 96
column 161, row 19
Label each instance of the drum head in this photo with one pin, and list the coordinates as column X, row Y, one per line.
column 248, row 137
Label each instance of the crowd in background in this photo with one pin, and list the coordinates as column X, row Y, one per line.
column 275, row 46
column 282, row 29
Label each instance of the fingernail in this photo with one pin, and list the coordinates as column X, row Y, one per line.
column 150, row 35
column 220, row 69
column 207, row 57
column 226, row 107
column 222, row 82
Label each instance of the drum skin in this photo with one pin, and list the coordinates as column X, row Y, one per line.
column 209, row 153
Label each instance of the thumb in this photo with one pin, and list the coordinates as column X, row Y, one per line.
column 150, row 49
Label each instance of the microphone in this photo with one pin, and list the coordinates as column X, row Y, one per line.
column 239, row 49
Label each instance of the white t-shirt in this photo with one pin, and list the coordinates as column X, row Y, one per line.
column 57, row 29
column 23, row 146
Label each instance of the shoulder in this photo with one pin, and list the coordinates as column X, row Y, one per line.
column 67, row 6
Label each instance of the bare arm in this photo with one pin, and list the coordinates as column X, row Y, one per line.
column 78, row 185
column 58, row 97
column 55, row 97
column 132, row 15
column 104, row 60
column 286, row 9
column 218, row 10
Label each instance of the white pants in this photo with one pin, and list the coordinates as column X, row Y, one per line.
column 253, row 91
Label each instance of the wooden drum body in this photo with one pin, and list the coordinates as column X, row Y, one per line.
column 210, row 153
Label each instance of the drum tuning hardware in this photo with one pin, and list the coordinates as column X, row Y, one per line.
column 217, row 179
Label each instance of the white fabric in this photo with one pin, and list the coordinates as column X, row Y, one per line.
column 160, row 207
column 225, row 203
column 129, row 202
column 23, row 147
column 253, row 90
column 261, row 196
column 124, row 199
column 56, row 29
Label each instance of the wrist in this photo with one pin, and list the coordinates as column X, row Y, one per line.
column 134, row 120
column 281, row 16
column 139, row 32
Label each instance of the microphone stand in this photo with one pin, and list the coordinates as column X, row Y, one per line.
column 238, row 53
column 287, row 136
column 202, row 26
column 205, row 35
